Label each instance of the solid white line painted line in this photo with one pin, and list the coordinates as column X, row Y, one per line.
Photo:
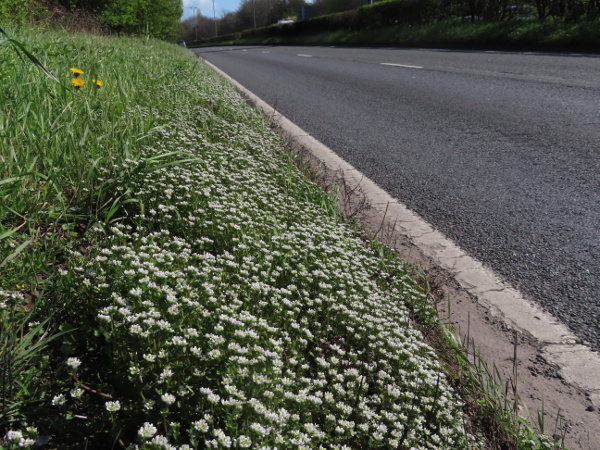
column 304, row 56
column 401, row 65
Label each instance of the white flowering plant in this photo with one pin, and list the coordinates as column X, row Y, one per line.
column 233, row 310
column 217, row 301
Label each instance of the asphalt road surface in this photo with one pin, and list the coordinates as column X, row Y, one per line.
column 499, row 151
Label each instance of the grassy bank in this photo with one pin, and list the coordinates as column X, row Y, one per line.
column 557, row 34
column 170, row 279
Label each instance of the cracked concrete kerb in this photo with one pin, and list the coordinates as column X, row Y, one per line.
column 578, row 365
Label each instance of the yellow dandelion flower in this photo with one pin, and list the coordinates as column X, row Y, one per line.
column 98, row 83
column 77, row 82
column 76, row 71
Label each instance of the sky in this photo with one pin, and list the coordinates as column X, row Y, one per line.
column 206, row 7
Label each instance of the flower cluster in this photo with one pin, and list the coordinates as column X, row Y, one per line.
column 246, row 316
column 78, row 82
column 25, row 438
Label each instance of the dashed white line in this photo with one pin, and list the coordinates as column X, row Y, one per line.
column 304, row 56
column 401, row 65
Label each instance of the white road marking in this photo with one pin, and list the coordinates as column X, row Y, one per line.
column 401, row 65
column 304, row 56
column 266, row 52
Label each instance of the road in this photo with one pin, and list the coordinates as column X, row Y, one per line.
column 498, row 151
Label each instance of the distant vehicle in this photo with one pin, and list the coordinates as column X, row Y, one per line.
column 182, row 43
column 281, row 22
column 473, row 18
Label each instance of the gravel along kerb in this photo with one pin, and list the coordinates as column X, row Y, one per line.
column 245, row 315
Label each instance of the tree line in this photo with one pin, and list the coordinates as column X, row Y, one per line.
column 490, row 10
column 261, row 13
column 258, row 14
column 250, row 14
column 155, row 18
column 161, row 18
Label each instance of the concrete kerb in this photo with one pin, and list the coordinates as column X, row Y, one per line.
column 576, row 363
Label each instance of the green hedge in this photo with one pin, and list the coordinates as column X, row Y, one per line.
column 347, row 20
column 407, row 12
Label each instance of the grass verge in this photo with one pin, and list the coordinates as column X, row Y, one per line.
column 170, row 279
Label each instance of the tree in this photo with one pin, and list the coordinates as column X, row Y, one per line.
column 200, row 27
column 156, row 18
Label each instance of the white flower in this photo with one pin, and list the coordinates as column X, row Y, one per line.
column 26, row 442
column 161, row 441
column 178, row 340
column 136, row 292
column 113, row 406
column 169, row 399
column 147, row 431
column 59, row 400
column 73, row 363
column 244, row 441
column 258, row 428
column 224, row 440
column 213, row 398
column 76, row 392
column 201, row 425
column 166, row 374
column 14, row 435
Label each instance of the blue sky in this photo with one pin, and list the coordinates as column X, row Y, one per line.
column 206, row 7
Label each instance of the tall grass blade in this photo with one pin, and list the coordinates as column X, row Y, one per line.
column 6, row 234
column 14, row 254
column 20, row 47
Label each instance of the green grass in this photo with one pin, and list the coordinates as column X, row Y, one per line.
column 170, row 278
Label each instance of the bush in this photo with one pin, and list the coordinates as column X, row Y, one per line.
column 14, row 12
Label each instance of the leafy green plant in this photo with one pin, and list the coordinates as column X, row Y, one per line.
column 495, row 402
column 23, row 359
